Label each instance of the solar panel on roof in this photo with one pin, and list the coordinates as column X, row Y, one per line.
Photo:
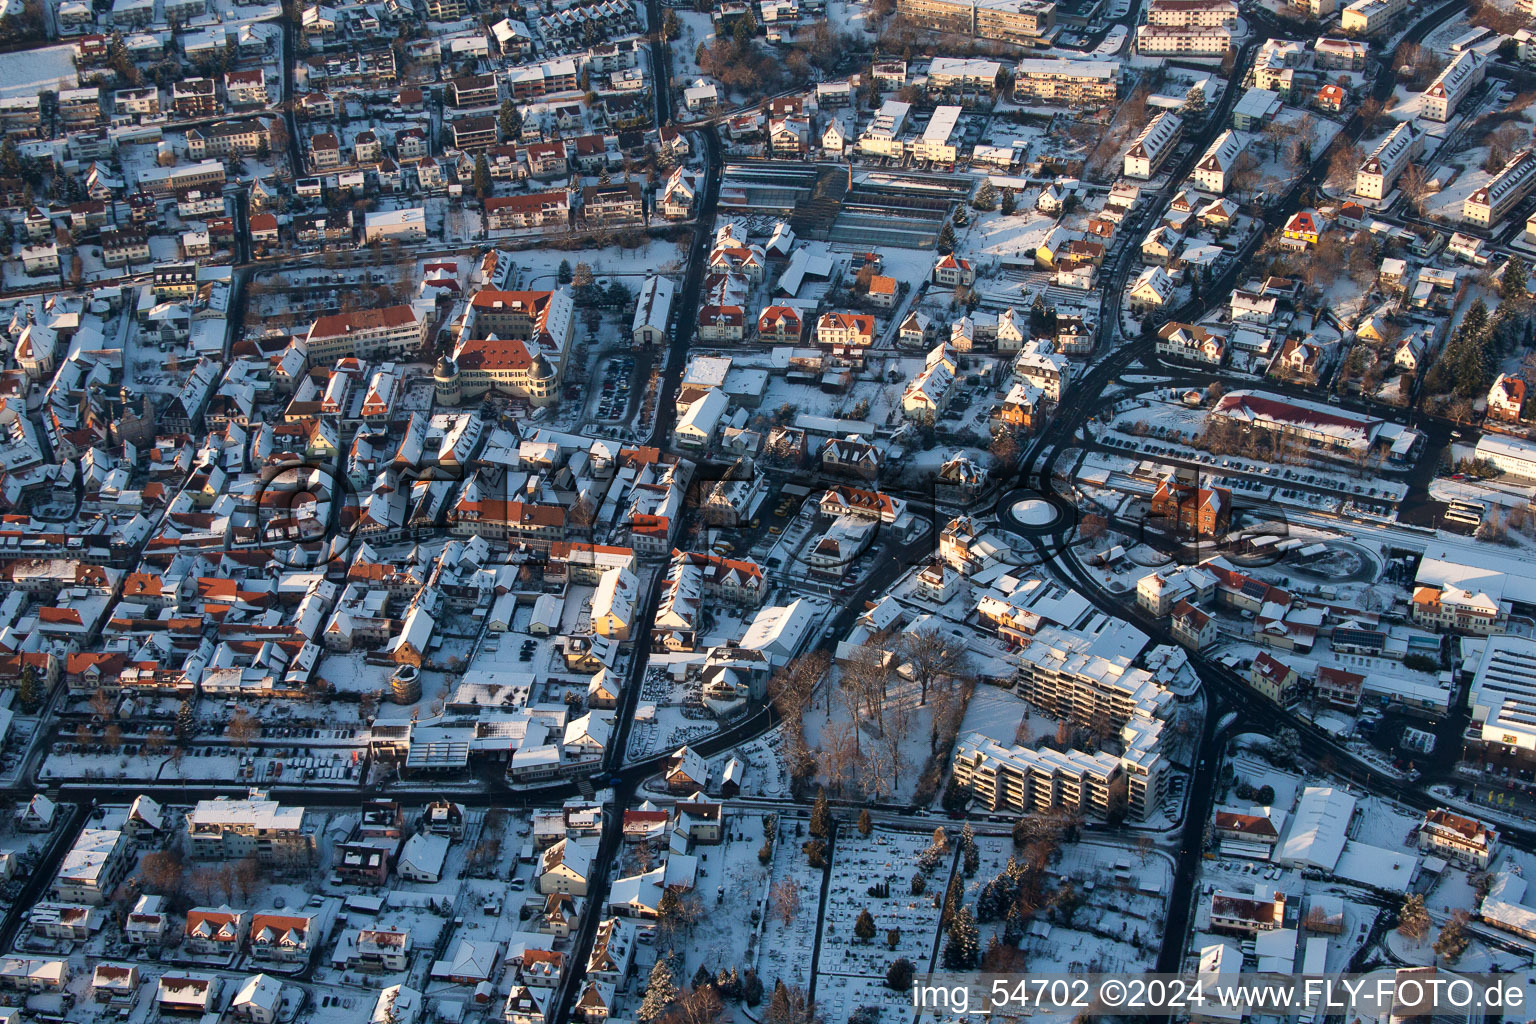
column 1253, row 588
column 1359, row 638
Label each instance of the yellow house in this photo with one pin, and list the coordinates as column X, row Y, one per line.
column 1304, row 228
column 613, row 604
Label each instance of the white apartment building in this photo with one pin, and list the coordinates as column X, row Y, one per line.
column 232, row 829
column 1172, row 41
column 394, row 332
column 1460, row 838
column 1005, row 777
column 1379, row 172
column 93, row 867
column 1447, row 91
column 940, row 140
column 1076, row 83
column 1367, row 17
column 1488, row 205
column 1153, row 146
column 882, row 136
column 1192, row 13
column 1215, row 167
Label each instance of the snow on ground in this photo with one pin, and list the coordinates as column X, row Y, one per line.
column 1111, row 918
column 733, row 885
column 785, row 947
column 902, row 746
column 28, row 72
column 538, row 268
column 1001, row 714
column 851, row 973
column 1015, row 235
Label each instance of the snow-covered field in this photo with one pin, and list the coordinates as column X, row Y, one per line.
column 28, row 72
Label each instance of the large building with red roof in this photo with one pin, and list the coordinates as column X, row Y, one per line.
column 394, row 332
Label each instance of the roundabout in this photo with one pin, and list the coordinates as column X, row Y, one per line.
column 1033, row 512
column 1030, row 512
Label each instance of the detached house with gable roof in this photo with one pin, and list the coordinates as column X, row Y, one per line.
column 951, row 270
column 1506, row 398
column 215, row 931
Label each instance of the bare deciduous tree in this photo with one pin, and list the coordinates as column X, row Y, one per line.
column 784, row 899
column 243, row 728
column 928, row 656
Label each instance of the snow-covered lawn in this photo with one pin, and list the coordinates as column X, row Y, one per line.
column 1118, row 897
column 733, row 886
column 29, row 72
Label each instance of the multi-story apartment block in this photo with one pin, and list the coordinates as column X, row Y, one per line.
column 79, row 107
column 1379, row 172
column 246, row 88
column 615, row 205
column 1039, row 781
column 535, row 210
column 144, row 102
column 1013, row 21
column 963, row 74
column 1451, row 608
column 227, row 139
column 1462, row 839
column 1488, row 205
column 1153, row 146
column 473, row 91
column 1217, row 163
column 1169, row 41
column 93, row 867
column 1334, row 54
column 1058, row 676
column 233, row 829
column 20, row 116
column 472, row 134
column 1192, row 13
column 1452, row 85
column 194, row 97
column 1075, row 83
column 1367, row 17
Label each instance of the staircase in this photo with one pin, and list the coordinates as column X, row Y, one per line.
column 814, row 217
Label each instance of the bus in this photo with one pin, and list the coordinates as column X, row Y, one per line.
column 1468, row 512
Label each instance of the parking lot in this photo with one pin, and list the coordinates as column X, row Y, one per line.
column 612, row 397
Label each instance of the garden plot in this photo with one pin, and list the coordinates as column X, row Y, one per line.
column 1103, row 905
column 786, row 940
column 733, row 887
column 851, row 972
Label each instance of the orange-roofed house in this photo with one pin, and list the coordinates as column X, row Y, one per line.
column 215, row 931
column 1274, row 678
column 951, row 270
column 882, row 291
column 780, row 325
column 1331, row 98
column 845, row 330
column 1458, row 837
column 1304, row 229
